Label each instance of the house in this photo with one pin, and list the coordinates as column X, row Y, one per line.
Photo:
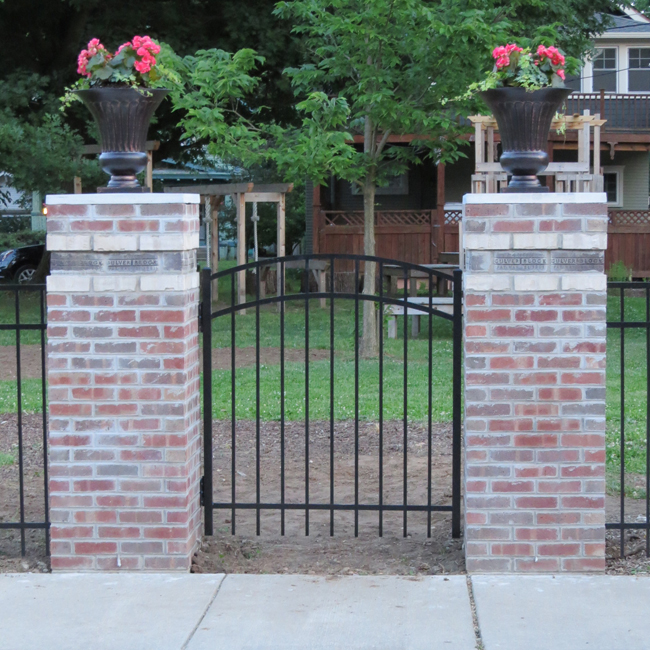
column 14, row 213
column 418, row 213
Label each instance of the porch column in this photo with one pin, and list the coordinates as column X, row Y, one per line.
column 535, row 332
column 123, row 377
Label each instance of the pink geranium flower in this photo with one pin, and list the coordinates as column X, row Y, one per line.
column 144, row 51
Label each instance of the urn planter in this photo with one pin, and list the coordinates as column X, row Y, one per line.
column 122, row 115
column 524, row 119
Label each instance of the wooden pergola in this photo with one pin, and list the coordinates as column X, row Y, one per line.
column 578, row 176
column 242, row 193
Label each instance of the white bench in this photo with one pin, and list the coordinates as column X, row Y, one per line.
column 445, row 305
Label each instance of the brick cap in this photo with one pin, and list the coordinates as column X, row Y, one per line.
column 127, row 198
column 542, row 197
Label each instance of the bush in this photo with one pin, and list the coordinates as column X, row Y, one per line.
column 618, row 272
column 15, row 223
column 21, row 238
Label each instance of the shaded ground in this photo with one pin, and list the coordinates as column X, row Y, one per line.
column 634, row 560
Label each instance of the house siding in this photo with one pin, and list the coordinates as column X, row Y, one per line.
column 636, row 177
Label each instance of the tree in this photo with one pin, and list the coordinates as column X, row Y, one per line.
column 40, row 40
column 376, row 69
column 382, row 68
column 39, row 150
column 389, row 64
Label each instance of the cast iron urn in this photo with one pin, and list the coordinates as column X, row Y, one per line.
column 122, row 115
column 524, row 119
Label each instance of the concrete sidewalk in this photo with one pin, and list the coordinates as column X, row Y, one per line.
column 262, row 612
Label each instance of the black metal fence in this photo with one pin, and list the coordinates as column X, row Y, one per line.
column 270, row 449
column 628, row 414
column 23, row 327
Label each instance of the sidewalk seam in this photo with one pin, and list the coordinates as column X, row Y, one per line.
column 472, row 602
column 205, row 611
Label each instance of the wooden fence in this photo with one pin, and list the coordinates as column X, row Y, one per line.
column 410, row 236
column 628, row 240
column 405, row 235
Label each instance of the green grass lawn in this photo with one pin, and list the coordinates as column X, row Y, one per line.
column 635, row 401
column 29, row 311
column 31, row 396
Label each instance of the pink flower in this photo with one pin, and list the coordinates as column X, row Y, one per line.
column 121, row 47
column 498, row 51
column 82, row 62
column 512, row 47
column 551, row 53
column 560, row 73
column 142, row 67
column 503, row 62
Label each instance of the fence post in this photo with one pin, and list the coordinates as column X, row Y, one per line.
column 123, row 375
column 535, row 332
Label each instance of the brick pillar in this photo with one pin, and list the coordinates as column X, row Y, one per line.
column 535, row 299
column 123, row 377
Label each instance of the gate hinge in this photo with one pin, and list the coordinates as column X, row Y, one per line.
column 202, row 491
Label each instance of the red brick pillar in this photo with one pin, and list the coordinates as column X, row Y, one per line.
column 535, row 299
column 123, row 376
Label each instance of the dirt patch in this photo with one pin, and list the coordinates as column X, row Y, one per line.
column 245, row 357
column 634, row 560
column 320, row 553
column 30, row 361
column 33, row 490
column 296, row 553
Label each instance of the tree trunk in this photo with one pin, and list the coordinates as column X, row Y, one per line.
column 369, row 346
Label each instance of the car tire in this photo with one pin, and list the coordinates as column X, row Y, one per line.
column 24, row 274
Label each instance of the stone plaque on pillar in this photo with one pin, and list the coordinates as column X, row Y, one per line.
column 534, row 336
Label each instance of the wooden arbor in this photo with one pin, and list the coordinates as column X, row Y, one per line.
column 578, row 176
column 242, row 193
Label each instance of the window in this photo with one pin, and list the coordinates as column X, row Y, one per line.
column 613, row 185
column 604, row 75
column 639, row 72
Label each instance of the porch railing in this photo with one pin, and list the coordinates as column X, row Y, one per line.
column 623, row 112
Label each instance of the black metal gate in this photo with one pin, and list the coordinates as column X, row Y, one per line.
column 23, row 454
column 628, row 431
column 338, row 292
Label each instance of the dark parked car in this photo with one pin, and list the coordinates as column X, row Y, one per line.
column 19, row 264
